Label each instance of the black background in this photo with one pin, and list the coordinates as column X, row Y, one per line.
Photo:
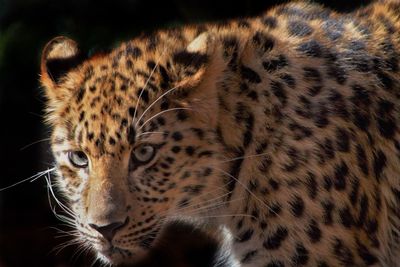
column 26, row 234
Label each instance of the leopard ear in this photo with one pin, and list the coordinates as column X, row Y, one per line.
column 200, row 66
column 59, row 56
column 192, row 62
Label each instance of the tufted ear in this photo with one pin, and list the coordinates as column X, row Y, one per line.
column 59, row 56
column 199, row 66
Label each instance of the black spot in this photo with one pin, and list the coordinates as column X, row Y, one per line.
column 275, row 209
column 386, row 81
column 205, row 153
column 234, row 172
column 176, row 149
column 342, row 140
column 299, row 28
column 361, row 120
column 80, row 94
column 245, row 236
column 123, row 87
column 371, row 226
column 311, row 48
column 341, row 172
column 338, row 104
column 199, row 132
column 206, row 172
column 81, row 116
column 333, row 28
column 343, row 253
column 161, row 121
column 289, row 80
column 365, row 254
column 379, row 163
column 322, row 264
column 346, row 217
column 244, row 116
column 177, row 136
column 249, row 75
column 190, row 150
column 314, row 90
column 360, row 96
column 265, row 42
column 275, row 240
column 314, row 232
column 134, row 51
column 131, row 111
column 143, row 94
column 321, row 116
column 248, row 134
column 274, row 184
column 181, row 115
column 193, row 189
column 301, row 256
column 164, row 104
column 363, row 211
column 275, row 64
column 362, row 160
column 183, row 203
column 312, row 185
column 248, row 256
column 131, row 135
column 253, row 95
column 328, row 209
column 297, row 206
column 243, row 24
column 92, row 88
column 355, row 188
column 312, row 74
column 90, row 136
column 269, row 22
column 386, row 122
column 327, row 148
column 275, row 263
column 327, row 183
column 188, row 59
column 279, row 91
column 111, row 141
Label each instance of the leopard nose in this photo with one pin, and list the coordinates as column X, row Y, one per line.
column 109, row 230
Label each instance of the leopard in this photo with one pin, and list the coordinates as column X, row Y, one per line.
column 278, row 134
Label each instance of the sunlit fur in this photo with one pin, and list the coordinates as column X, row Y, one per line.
column 275, row 129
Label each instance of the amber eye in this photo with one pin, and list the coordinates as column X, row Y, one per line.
column 78, row 159
column 143, row 154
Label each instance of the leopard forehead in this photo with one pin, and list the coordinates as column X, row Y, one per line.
column 109, row 92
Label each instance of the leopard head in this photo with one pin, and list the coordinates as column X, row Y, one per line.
column 134, row 138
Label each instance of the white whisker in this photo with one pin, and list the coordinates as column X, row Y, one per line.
column 154, row 102
column 160, row 113
column 145, row 85
column 145, row 133
column 32, row 178
column 249, row 191
column 244, row 157
column 33, row 143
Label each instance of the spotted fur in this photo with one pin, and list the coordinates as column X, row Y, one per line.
column 281, row 130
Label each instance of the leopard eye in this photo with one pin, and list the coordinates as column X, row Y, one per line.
column 143, row 154
column 78, row 159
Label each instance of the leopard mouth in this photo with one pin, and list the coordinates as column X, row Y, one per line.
column 119, row 255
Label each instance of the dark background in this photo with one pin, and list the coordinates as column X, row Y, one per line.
column 26, row 234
